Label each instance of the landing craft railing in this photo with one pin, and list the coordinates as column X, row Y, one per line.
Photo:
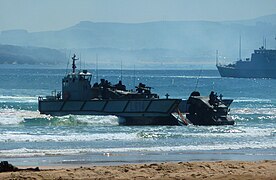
column 55, row 96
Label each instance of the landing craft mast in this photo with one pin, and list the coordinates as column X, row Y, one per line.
column 121, row 71
column 134, row 76
column 74, row 64
column 97, row 69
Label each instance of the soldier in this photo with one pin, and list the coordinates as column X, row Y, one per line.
column 212, row 98
column 220, row 97
column 120, row 86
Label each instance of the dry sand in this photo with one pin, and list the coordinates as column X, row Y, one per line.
column 182, row 170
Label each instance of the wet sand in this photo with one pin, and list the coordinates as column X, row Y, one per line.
column 182, row 170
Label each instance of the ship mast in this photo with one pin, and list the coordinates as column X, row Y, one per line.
column 264, row 43
column 275, row 41
column 240, row 49
column 216, row 57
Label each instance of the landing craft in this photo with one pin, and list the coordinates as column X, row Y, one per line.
column 139, row 107
column 204, row 110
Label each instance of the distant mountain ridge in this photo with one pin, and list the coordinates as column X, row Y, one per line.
column 10, row 54
column 181, row 41
column 269, row 19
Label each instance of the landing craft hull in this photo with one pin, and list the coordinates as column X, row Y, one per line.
column 149, row 120
column 133, row 112
column 208, row 120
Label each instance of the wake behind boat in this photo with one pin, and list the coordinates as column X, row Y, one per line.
column 139, row 107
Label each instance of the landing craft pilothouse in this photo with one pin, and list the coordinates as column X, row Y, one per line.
column 139, row 107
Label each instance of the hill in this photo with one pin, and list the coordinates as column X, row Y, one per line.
column 10, row 54
column 178, row 41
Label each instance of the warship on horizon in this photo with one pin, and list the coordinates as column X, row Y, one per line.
column 261, row 65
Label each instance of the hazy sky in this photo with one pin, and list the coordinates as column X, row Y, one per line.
column 41, row 15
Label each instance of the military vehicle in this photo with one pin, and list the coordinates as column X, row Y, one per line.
column 204, row 110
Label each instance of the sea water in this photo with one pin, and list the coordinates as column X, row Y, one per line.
column 29, row 138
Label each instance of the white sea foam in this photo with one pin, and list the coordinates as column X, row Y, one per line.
column 15, row 116
column 66, row 136
column 24, row 152
column 193, row 77
column 183, row 76
column 248, row 100
column 70, row 137
column 267, row 117
column 74, row 120
column 214, row 132
column 18, row 99
column 97, row 120
column 9, row 116
column 268, row 111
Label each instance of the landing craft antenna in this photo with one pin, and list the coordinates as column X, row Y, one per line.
column 121, row 71
column 134, row 76
column 80, row 60
column 197, row 79
column 213, row 86
column 97, row 74
column 84, row 64
column 68, row 61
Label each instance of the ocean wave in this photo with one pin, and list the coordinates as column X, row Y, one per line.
column 254, row 120
column 133, row 134
column 183, row 76
column 248, row 100
column 24, row 152
column 211, row 132
column 192, row 77
column 18, row 99
column 11, row 116
column 71, row 120
column 68, row 137
column 261, row 111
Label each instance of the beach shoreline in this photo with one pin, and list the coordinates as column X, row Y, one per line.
column 167, row 170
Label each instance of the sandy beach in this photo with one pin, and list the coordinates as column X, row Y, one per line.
column 181, row 170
